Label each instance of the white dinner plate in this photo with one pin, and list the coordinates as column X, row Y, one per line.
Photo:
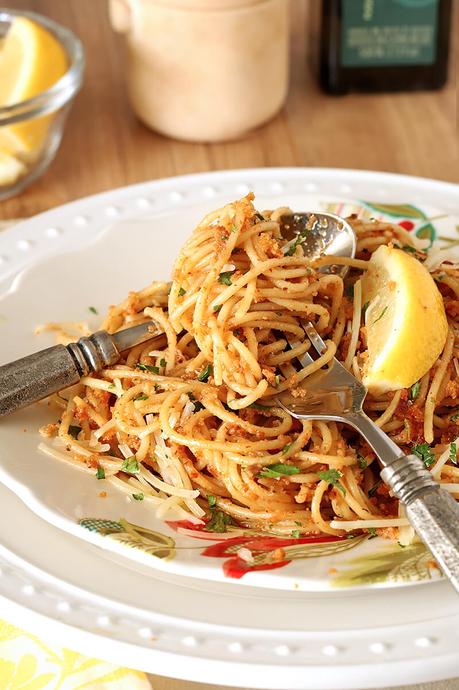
column 183, row 618
column 90, row 254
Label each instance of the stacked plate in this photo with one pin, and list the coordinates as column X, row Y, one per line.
column 102, row 574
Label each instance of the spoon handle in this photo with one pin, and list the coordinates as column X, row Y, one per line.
column 431, row 510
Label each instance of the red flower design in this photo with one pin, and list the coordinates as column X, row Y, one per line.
column 407, row 224
column 271, row 548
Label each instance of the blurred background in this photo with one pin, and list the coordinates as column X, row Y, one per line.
column 106, row 146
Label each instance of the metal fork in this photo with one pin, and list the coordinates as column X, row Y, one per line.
column 335, row 394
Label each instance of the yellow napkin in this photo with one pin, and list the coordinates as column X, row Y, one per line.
column 28, row 663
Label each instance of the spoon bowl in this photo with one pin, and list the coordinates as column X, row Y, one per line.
column 320, row 233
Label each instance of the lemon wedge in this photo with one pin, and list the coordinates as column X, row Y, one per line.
column 405, row 320
column 11, row 169
column 31, row 60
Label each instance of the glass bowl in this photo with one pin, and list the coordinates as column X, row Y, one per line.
column 31, row 131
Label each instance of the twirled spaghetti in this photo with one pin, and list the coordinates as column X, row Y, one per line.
column 193, row 426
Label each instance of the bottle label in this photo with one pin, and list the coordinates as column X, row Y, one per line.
column 388, row 32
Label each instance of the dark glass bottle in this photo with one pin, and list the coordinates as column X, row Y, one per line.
column 384, row 45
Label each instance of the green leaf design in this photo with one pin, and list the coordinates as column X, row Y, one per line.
column 427, row 232
column 397, row 210
column 391, row 564
column 134, row 536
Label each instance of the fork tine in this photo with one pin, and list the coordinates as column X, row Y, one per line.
column 303, row 359
column 314, row 337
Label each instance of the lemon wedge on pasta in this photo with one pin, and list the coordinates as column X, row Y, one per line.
column 405, row 320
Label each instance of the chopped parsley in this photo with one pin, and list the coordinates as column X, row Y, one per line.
column 408, row 248
column 181, row 292
column 286, row 448
column 292, row 248
column 225, row 277
column 295, row 534
column 279, row 469
column 141, row 397
column 162, row 362
column 423, row 451
column 332, row 476
column 381, row 315
column 414, row 390
column 212, row 501
column 219, row 522
column 205, row 373
column 233, row 228
column 455, row 417
column 74, row 430
column 277, row 379
column 100, row 473
column 374, row 488
column 93, row 310
column 138, row 497
column 402, row 546
column 365, row 307
column 349, row 291
column 216, row 307
column 361, row 461
column 257, row 406
column 372, row 532
column 197, row 404
column 147, row 367
column 130, row 465
column 453, row 453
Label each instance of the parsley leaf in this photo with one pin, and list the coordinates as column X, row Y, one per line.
column 374, row 488
column 74, row 430
column 453, row 453
column 292, row 248
column 197, row 404
column 454, row 417
column 279, row 469
column 295, row 534
column 100, row 473
column 93, row 310
column 408, row 248
column 286, row 448
column 414, row 390
column 131, row 465
column 212, row 501
column 138, row 497
column 372, row 532
column 361, row 461
column 257, row 406
column 205, row 373
column 332, row 476
column 141, row 397
column 181, row 292
column 423, row 451
column 219, row 522
column 225, row 277
column 402, row 546
column 147, row 367
column 162, row 362
column 233, row 227
column 216, row 307
column 381, row 315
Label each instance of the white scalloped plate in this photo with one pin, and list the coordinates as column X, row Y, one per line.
column 76, row 256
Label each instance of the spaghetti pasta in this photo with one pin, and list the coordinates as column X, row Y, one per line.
column 193, row 427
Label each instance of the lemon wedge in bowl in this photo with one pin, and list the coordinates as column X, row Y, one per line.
column 31, row 61
column 405, row 320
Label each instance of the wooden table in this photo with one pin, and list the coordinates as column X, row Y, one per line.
column 105, row 146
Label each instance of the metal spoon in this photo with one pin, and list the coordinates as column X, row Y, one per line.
column 320, row 233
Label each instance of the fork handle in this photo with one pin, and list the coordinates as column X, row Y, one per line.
column 431, row 510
